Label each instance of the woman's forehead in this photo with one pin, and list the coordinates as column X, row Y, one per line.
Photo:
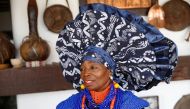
column 89, row 63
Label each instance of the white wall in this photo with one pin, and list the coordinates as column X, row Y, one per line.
column 20, row 23
column 168, row 94
column 46, row 100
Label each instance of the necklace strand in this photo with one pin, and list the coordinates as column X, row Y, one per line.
column 111, row 104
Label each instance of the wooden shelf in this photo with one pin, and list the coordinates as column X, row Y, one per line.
column 30, row 80
column 49, row 78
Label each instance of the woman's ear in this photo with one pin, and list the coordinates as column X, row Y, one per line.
column 110, row 74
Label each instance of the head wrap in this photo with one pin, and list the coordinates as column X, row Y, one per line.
column 138, row 55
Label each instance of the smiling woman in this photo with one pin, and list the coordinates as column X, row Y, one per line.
column 106, row 51
column 100, row 91
column 95, row 76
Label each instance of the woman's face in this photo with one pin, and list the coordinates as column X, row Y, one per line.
column 96, row 76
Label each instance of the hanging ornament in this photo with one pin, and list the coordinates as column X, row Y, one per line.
column 156, row 16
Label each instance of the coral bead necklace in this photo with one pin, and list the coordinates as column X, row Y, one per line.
column 99, row 97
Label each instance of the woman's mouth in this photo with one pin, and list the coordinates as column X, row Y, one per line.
column 88, row 82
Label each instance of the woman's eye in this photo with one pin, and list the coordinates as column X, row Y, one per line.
column 81, row 69
column 93, row 67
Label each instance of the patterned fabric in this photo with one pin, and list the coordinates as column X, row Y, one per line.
column 98, row 55
column 124, row 100
column 136, row 52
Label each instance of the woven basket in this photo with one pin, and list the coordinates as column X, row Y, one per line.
column 56, row 16
column 177, row 15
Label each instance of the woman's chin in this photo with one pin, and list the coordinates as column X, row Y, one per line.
column 90, row 88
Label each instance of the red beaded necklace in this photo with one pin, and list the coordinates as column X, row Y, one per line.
column 111, row 104
column 99, row 97
column 106, row 91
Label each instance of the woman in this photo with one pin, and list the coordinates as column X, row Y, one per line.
column 100, row 91
column 106, row 49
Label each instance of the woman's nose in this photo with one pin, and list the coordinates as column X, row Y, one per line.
column 85, row 73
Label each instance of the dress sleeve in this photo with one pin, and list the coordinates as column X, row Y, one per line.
column 130, row 101
column 72, row 102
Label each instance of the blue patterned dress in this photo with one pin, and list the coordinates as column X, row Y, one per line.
column 124, row 100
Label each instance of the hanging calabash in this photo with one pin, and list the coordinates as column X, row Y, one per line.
column 33, row 47
column 7, row 49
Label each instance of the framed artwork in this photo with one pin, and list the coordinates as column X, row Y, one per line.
column 153, row 101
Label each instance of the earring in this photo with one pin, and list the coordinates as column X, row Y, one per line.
column 82, row 86
column 116, row 85
column 111, row 77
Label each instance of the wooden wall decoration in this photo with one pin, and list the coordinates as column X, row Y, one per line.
column 140, row 7
column 15, row 81
column 124, row 4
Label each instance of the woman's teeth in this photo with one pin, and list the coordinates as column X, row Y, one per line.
column 88, row 81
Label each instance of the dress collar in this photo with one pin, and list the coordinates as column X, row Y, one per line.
column 106, row 102
column 99, row 97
